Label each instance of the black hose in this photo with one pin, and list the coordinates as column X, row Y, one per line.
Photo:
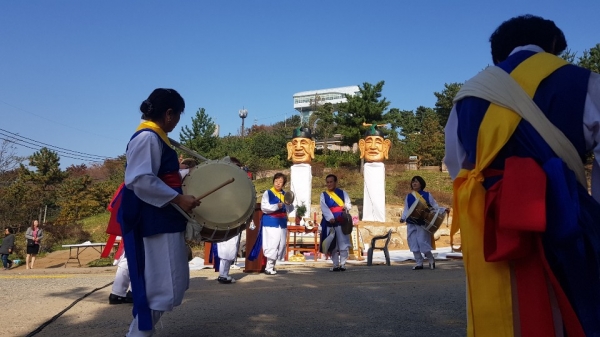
column 41, row 327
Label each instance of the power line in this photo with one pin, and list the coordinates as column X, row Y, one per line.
column 38, row 148
column 82, row 154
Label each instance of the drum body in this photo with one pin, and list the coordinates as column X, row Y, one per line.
column 418, row 210
column 224, row 213
column 434, row 219
column 347, row 224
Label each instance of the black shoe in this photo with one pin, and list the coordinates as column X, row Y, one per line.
column 335, row 269
column 225, row 280
column 417, row 267
column 432, row 265
column 342, row 268
column 116, row 299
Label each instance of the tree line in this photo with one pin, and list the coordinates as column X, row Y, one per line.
column 41, row 190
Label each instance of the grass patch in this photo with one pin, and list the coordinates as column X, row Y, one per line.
column 102, row 262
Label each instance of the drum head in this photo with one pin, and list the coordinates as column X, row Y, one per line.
column 288, row 197
column 223, row 212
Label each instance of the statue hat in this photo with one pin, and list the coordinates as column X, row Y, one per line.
column 302, row 132
column 373, row 131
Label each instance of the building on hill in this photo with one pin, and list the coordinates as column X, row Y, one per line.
column 305, row 101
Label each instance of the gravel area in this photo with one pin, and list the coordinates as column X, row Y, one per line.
column 298, row 301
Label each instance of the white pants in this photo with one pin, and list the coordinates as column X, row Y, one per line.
column 121, row 283
column 273, row 242
column 135, row 332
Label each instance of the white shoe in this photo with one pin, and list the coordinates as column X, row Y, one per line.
column 270, row 272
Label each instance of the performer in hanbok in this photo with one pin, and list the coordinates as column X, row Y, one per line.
column 274, row 223
column 333, row 202
column 419, row 240
column 225, row 252
column 516, row 141
column 152, row 229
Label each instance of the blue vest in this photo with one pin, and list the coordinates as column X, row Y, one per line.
column 149, row 219
column 277, row 218
column 331, row 203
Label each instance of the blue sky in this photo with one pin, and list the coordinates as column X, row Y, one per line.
column 73, row 73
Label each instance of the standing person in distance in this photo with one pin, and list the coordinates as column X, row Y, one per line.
column 153, row 230
column 333, row 202
column 419, row 240
column 274, row 223
column 34, row 235
column 8, row 246
column 517, row 139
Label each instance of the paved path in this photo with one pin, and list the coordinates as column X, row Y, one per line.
column 299, row 301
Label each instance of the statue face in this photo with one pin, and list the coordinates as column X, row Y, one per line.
column 301, row 150
column 374, row 148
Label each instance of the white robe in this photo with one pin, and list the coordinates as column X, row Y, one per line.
column 273, row 238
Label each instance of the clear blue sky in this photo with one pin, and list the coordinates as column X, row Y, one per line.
column 73, row 73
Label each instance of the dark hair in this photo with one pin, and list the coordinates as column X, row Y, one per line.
column 189, row 162
column 280, row 175
column 235, row 161
column 10, row 230
column 420, row 180
column 524, row 30
column 331, row 176
column 159, row 101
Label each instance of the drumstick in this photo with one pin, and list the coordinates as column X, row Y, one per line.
column 216, row 188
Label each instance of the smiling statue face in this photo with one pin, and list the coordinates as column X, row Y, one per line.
column 374, row 148
column 301, row 150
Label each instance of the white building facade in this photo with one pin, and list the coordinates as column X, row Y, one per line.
column 304, row 101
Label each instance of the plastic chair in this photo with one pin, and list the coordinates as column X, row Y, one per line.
column 385, row 237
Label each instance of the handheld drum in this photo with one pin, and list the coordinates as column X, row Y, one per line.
column 223, row 213
column 434, row 219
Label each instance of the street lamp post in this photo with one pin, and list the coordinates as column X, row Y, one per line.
column 243, row 113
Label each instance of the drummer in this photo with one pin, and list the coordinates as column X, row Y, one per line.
column 274, row 223
column 419, row 240
column 333, row 202
column 153, row 230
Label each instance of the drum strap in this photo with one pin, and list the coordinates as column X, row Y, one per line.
column 420, row 197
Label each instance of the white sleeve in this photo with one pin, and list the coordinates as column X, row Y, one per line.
column 347, row 201
column 144, row 154
column 455, row 153
column 266, row 206
column 405, row 211
column 432, row 201
column 325, row 209
column 591, row 129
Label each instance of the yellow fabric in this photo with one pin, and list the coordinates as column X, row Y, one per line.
column 154, row 127
column 335, row 198
column 489, row 293
column 278, row 194
column 419, row 197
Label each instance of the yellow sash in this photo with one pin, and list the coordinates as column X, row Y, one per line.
column 489, row 302
column 278, row 194
column 335, row 198
column 419, row 197
column 154, row 127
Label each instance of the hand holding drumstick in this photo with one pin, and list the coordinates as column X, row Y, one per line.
column 189, row 202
